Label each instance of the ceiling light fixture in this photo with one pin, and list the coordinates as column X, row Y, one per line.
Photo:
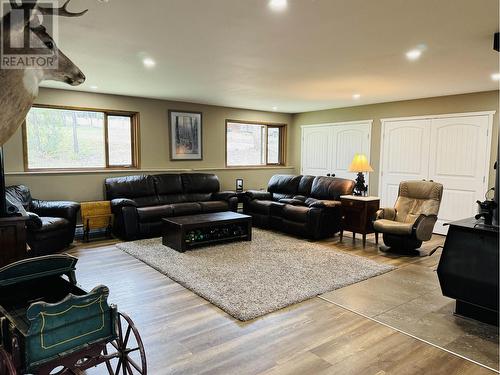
column 149, row 62
column 275, row 108
column 278, row 5
column 356, row 96
column 495, row 76
column 413, row 54
column 93, row 87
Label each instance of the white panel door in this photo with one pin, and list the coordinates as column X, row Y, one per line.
column 316, row 150
column 405, row 156
column 348, row 141
column 459, row 160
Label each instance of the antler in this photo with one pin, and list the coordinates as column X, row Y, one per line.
column 62, row 11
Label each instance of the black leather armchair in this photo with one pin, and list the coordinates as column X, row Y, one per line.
column 51, row 225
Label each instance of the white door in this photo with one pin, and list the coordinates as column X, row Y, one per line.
column 460, row 154
column 405, row 156
column 349, row 140
column 451, row 150
column 329, row 149
column 316, row 150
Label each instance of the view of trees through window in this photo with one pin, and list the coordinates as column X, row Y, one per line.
column 76, row 139
column 253, row 144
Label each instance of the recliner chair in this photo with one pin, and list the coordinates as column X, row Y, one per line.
column 412, row 219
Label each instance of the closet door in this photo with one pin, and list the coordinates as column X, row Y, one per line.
column 405, row 156
column 348, row 141
column 316, row 150
column 459, row 160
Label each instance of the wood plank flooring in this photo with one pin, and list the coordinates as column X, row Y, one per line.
column 185, row 334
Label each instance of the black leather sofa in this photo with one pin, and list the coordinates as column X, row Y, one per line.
column 306, row 206
column 51, row 224
column 140, row 202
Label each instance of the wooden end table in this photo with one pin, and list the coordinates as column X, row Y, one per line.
column 357, row 215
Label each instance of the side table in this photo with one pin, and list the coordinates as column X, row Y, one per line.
column 357, row 215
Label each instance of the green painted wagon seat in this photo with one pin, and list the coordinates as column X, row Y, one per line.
column 64, row 327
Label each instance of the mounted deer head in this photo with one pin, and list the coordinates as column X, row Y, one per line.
column 21, row 71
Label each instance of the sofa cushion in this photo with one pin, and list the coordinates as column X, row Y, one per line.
column 200, row 183
column 331, row 188
column 181, row 209
column 292, row 201
column 214, row 206
column 168, row 187
column 305, row 185
column 261, row 207
column 139, row 188
column 295, row 213
column 197, row 197
column 154, row 213
column 313, row 202
column 284, row 184
column 50, row 224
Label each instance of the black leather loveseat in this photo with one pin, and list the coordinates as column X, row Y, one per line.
column 51, row 224
column 140, row 202
column 306, row 206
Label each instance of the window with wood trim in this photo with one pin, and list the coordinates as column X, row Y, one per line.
column 62, row 138
column 253, row 144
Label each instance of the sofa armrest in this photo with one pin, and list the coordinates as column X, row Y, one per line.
column 34, row 222
column 223, row 196
column 423, row 227
column 259, row 194
column 322, row 203
column 64, row 209
column 386, row 213
column 118, row 203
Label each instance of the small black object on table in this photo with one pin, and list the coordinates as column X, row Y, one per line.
column 468, row 269
column 185, row 232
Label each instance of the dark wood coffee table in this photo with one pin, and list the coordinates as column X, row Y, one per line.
column 185, row 232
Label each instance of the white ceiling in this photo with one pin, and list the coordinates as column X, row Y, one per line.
column 314, row 55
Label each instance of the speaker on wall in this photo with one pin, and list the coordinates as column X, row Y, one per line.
column 496, row 45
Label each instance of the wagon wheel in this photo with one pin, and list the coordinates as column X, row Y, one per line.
column 129, row 355
column 6, row 364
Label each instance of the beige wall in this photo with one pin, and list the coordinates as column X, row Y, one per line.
column 483, row 101
column 154, row 138
column 154, row 146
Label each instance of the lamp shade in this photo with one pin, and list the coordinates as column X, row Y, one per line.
column 360, row 164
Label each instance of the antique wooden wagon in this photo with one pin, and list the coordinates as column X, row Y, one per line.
column 49, row 325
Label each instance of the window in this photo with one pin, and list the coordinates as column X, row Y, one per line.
column 254, row 144
column 62, row 138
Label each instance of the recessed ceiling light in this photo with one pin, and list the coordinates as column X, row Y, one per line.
column 278, row 5
column 413, row 54
column 495, row 76
column 356, row 96
column 149, row 62
column 275, row 108
column 93, row 87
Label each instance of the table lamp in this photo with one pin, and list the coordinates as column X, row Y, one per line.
column 359, row 165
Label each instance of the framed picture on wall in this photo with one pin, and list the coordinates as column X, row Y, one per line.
column 185, row 135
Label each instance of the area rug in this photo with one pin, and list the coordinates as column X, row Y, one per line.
column 251, row 279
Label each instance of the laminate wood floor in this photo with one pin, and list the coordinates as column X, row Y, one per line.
column 185, row 334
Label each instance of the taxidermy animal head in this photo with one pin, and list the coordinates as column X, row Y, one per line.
column 19, row 81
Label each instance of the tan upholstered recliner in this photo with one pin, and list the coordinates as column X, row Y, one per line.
column 412, row 219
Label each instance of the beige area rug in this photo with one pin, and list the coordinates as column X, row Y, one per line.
column 251, row 279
